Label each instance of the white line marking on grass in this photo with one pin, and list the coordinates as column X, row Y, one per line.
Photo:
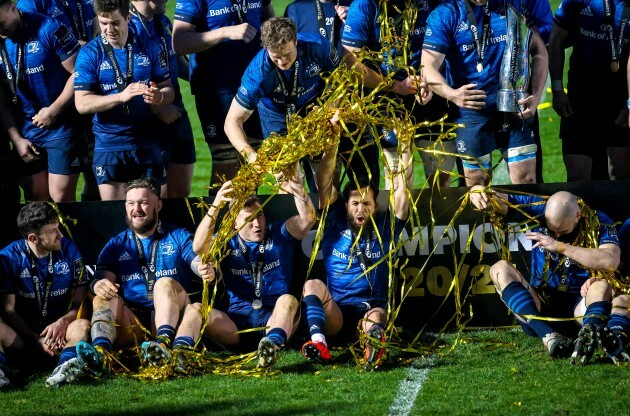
column 410, row 387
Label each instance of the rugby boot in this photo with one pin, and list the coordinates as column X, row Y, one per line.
column 92, row 358
column 65, row 373
column 154, row 354
column 558, row 346
column 316, row 351
column 585, row 344
column 4, row 381
column 267, row 353
column 374, row 350
column 613, row 345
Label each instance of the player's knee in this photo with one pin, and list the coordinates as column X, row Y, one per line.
column 500, row 272
column 315, row 287
column 601, row 289
column 287, row 302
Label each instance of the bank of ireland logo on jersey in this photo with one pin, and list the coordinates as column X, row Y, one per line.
column 32, row 47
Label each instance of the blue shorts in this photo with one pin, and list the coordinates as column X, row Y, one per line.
column 248, row 318
column 352, row 314
column 177, row 142
column 271, row 121
column 60, row 156
column 501, row 131
column 557, row 304
column 126, row 165
column 212, row 108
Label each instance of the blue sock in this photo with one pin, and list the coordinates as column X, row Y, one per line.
column 67, row 354
column 184, row 342
column 315, row 315
column 521, row 302
column 102, row 342
column 165, row 335
column 620, row 325
column 278, row 336
column 3, row 358
column 600, row 312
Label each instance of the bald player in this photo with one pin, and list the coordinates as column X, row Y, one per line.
column 560, row 282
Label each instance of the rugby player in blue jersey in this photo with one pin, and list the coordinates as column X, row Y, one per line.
column 560, row 282
column 470, row 36
column 120, row 77
column 43, row 285
column 222, row 37
column 316, row 16
column 364, row 33
column 257, row 272
column 283, row 79
column 176, row 136
column 37, row 57
column 356, row 236
column 598, row 120
column 141, row 281
column 79, row 17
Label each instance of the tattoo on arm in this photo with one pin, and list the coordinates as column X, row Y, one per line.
column 194, row 265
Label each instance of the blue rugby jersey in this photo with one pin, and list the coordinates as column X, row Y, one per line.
column 113, row 129
column 570, row 272
column 16, row 277
column 304, row 14
column 153, row 36
column 174, row 256
column 260, row 82
column 364, row 29
column 78, row 15
column 448, row 32
column 277, row 273
column 47, row 43
column 345, row 280
column 219, row 69
column 591, row 55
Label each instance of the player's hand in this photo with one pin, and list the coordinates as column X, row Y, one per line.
column 467, row 96
column 106, row 289
column 206, row 272
column 586, row 285
column 26, row 149
column 45, row 347
column 408, row 86
column 222, row 195
column 561, row 104
column 479, row 198
column 55, row 334
column 134, row 89
column 45, row 118
column 528, row 106
column 152, row 95
column 342, row 12
column 543, row 241
column 244, row 32
column 425, row 93
column 168, row 114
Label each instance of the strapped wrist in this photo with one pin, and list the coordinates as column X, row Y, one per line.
column 556, row 85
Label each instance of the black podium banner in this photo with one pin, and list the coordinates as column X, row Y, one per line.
column 436, row 255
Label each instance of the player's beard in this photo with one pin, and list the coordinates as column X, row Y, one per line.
column 360, row 230
column 572, row 236
column 149, row 222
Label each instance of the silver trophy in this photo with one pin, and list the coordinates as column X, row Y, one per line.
column 515, row 67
